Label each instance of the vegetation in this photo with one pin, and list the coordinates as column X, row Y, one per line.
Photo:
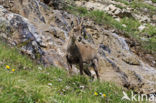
column 138, row 4
column 123, row 1
column 129, row 26
column 154, row 1
column 23, row 81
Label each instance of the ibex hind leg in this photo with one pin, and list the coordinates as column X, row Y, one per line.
column 81, row 67
column 70, row 68
column 95, row 65
column 87, row 72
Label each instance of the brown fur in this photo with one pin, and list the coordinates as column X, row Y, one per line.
column 78, row 53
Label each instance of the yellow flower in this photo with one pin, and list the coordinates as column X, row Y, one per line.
column 13, row 70
column 95, row 93
column 104, row 95
column 7, row 66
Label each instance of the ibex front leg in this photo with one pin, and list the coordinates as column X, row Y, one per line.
column 69, row 65
column 95, row 65
column 70, row 68
column 81, row 67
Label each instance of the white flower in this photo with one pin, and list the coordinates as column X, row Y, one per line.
column 39, row 68
column 50, row 84
column 82, row 87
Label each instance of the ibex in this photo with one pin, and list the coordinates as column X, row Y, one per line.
column 78, row 53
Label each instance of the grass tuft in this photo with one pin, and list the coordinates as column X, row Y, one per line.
column 28, row 84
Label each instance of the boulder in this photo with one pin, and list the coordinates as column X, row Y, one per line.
column 131, row 60
column 154, row 17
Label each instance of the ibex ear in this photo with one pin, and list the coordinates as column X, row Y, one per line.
column 81, row 27
column 72, row 24
column 81, row 22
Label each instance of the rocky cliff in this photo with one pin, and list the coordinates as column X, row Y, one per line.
column 40, row 29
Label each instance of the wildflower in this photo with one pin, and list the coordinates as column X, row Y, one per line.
column 82, row 87
column 13, row 70
column 101, row 93
column 40, row 68
column 50, row 84
column 104, row 95
column 95, row 93
column 7, row 66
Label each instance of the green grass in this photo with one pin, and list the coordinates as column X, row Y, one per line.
column 139, row 4
column 150, row 30
column 123, row 1
column 150, row 45
column 150, row 33
column 154, row 1
column 98, row 16
column 105, row 19
column 131, row 25
column 29, row 84
column 131, row 30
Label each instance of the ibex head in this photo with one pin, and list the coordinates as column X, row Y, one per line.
column 76, row 32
